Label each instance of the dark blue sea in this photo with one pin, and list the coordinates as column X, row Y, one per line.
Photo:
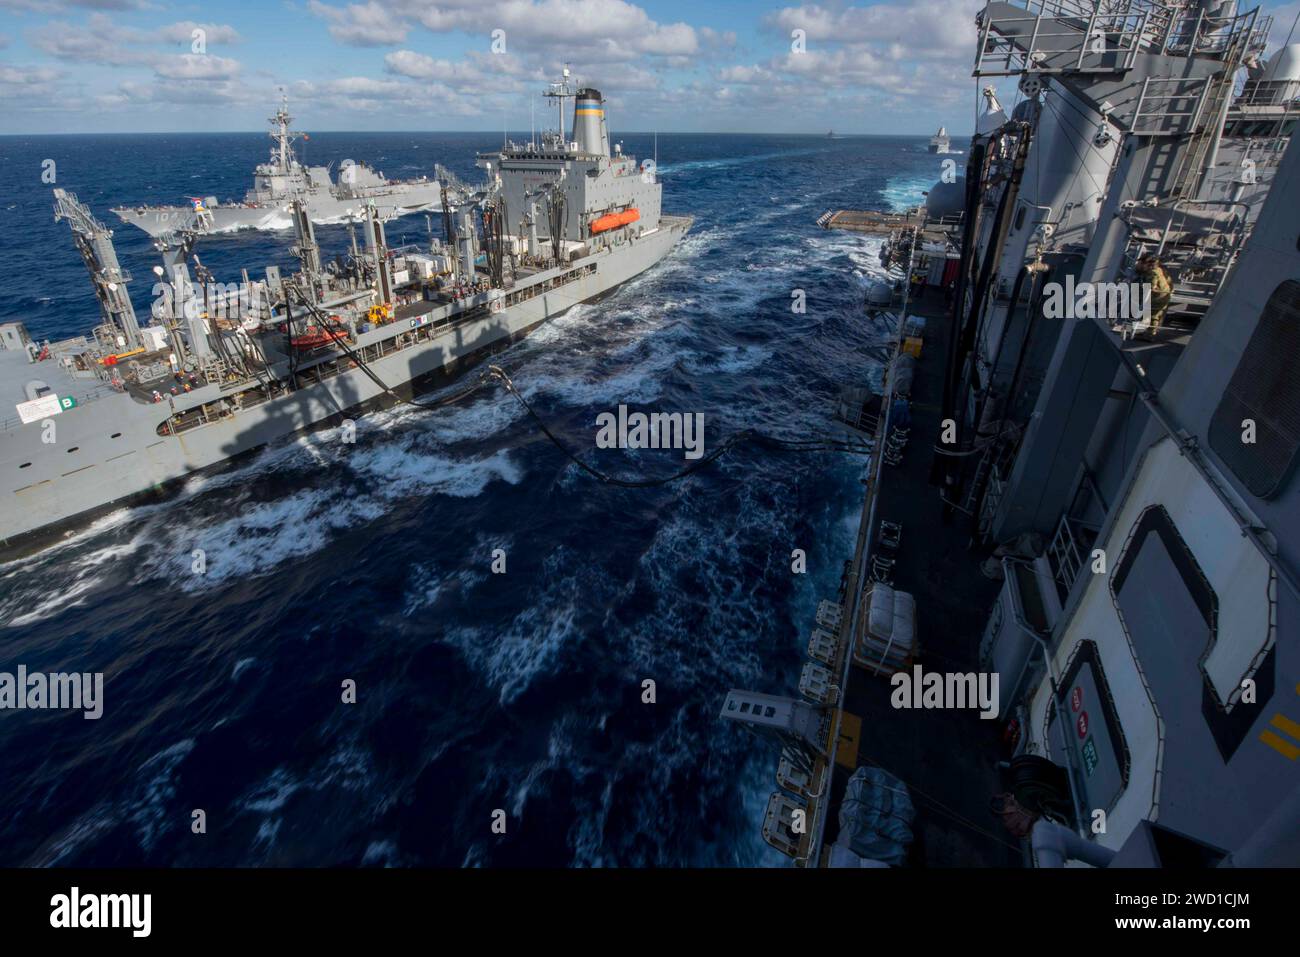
column 329, row 562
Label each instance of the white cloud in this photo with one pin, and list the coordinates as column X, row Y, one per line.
column 410, row 63
column 193, row 66
column 476, row 75
column 361, row 24
column 365, row 86
column 101, row 40
column 28, row 76
column 897, row 58
column 183, row 32
column 923, row 28
column 47, row 5
column 566, row 28
column 25, row 88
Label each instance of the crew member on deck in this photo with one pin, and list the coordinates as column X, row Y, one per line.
column 1150, row 270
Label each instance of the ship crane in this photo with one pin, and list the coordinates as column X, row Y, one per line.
column 175, row 247
column 95, row 243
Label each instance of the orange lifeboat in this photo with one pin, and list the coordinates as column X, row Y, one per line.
column 614, row 220
column 314, row 336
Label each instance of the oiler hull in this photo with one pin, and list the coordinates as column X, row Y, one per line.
column 113, row 450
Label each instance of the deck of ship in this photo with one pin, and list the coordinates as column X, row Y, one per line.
column 876, row 223
column 947, row 758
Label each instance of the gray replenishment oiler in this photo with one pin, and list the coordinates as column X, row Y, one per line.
column 283, row 179
column 223, row 370
column 1069, row 633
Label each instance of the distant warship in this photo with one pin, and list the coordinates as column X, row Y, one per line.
column 281, row 180
column 939, row 142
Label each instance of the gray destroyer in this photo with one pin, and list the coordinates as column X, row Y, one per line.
column 224, row 369
column 283, row 179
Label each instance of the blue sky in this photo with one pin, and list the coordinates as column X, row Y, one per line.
column 900, row 66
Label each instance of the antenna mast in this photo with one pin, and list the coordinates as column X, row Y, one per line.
column 561, row 92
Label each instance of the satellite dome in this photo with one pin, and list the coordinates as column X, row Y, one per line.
column 1284, row 65
column 946, row 199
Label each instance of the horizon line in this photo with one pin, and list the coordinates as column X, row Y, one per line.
column 482, row 132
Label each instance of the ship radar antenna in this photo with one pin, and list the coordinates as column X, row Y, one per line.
column 282, row 152
column 560, row 92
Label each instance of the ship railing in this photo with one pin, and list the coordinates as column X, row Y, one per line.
column 996, row 488
column 947, row 222
column 1266, row 152
column 1196, row 34
column 1197, row 260
column 1227, row 240
column 1105, row 36
column 1055, row 37
column 997, row 462
column 330, row 364
column 1267, row 93
column 1069, row 552
column 1169, row 29
column 1170, row 106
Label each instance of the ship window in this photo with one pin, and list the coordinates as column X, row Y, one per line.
column 1170, row 615
column 116, row 435
column 744, row 708
column 25, row 465
column 73, row 449
column 1264, row 390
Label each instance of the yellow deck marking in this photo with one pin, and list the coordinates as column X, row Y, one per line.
column 1283, row 723
column 1284, row 748
column 846, row 748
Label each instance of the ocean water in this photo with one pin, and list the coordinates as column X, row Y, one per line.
column 371, row 563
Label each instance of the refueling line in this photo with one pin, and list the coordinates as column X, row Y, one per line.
column 824, row 443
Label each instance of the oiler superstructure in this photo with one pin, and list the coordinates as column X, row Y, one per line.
column 222, row 369
column 1097, row 505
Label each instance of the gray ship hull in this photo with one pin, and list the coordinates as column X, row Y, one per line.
column 324, row 210
column 110, row 450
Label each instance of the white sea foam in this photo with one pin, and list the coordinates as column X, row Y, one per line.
column 149, row 809
column 35, row 595
column 904, row 192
